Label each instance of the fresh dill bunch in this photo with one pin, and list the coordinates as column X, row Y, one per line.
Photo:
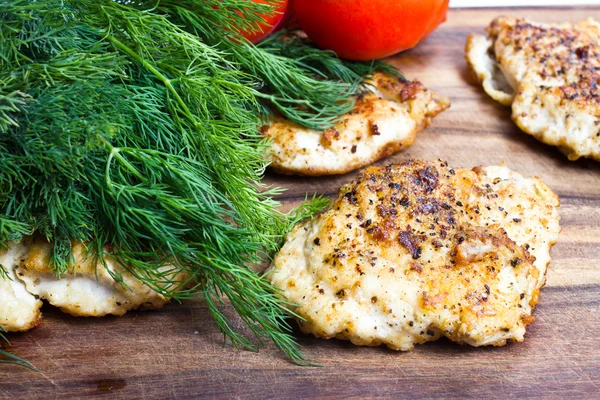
column 307, row 85
column 134, row 124
column 120, row 128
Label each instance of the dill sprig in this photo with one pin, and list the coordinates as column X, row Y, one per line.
column 7, row 358
column 134, row 124
column 307, row 85
column 323, row 63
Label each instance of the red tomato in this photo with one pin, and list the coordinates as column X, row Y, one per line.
column 289, row 20
column 270, row 22
column 369, row 29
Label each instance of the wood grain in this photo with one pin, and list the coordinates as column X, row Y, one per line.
column 177, row 352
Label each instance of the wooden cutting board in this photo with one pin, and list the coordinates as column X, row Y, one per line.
column 177, row 352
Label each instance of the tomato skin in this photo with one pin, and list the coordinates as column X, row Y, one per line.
column 270, row 22
column 288, row 21
column 369, row 29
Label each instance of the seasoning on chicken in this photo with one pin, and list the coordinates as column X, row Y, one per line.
column 385, row 120
column 91, row 288
column 411, row 252
column 549, row 75
column 19, row 309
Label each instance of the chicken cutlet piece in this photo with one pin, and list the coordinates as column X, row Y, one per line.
column 385, row 120
column 549, row 75
column 88, row 289
column 19, row 309
column 411, row 252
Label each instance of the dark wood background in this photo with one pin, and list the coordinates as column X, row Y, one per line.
column 177, row 352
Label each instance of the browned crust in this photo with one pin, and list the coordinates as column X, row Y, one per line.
column 382, row 153
column 468, row 48
column 413, row 209
column 35, row 322
column 399, row 91
column 155, row 305
column 569, row 53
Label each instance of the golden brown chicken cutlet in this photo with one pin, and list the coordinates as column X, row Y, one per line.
column 549, row 75
column 88, row 289
column 411, row 252
column 385, row 120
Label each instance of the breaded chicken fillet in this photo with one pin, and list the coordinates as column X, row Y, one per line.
column 19, row 309
column 385, row 120
column 89, row 289
column 411, row 252
column 549, row 75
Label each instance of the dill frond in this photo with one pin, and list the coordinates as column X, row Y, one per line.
column 7, row 358
column 134, row 124
column 307, row 85
column 323, row 63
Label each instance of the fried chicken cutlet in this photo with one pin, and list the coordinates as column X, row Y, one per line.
column 384, row 121
column 412, row 252
column 549, row 75
column 91, row 287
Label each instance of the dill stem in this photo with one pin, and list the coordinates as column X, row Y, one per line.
column 114, row 152
column 166, row 81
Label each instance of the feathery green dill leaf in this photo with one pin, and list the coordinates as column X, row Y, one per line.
column 307, row 85
column 134, row 124
column 308, row 209
column 323, row 63
column 4, row 273
column 7, row 358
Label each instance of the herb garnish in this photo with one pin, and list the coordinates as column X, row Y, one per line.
column 7, row 358
column 134, row 124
